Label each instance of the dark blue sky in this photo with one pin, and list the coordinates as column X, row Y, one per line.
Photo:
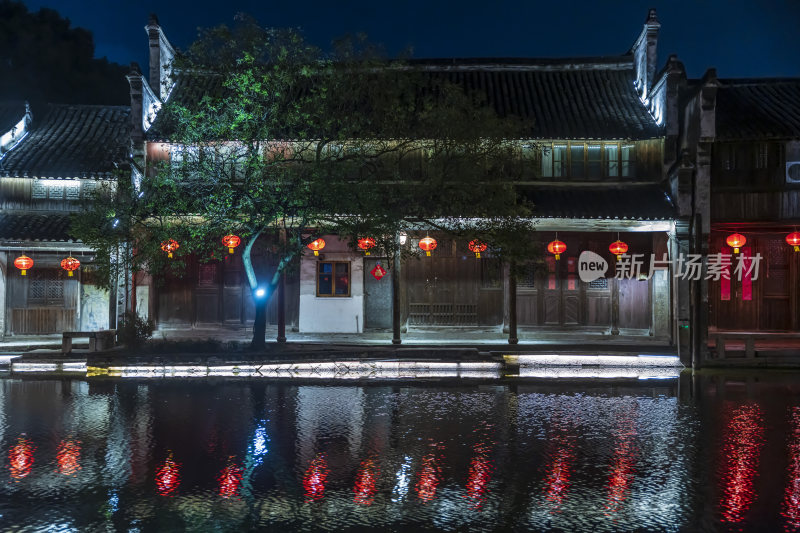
column 740, row 38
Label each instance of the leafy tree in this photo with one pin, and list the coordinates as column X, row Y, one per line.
column 288, row 143
column 44, row 59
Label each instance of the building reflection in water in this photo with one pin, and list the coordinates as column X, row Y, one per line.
column 315, row 478
column 229, row 479
column 429, row 478
column 742, row 441
column 68, row 457
column 20, row 458
column 559, row 468
column 791, row 497
column 403, row 476
column 623, row 464
column 168, row 476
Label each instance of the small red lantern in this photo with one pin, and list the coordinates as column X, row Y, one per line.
column 793, row 239
column 23, row 263
column 736, row 241
column 428, row 244
column 69, row 264
column 557, row 248
column 618, row 248
column 477, row 247
column 317, row 245
column 231, row 242
column 366, row 243
column 169, row 246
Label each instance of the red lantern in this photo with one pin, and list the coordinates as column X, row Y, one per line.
column 231, row 242
column 557, row 248
column 477, row 247
column 69, row 264
column 793, row 239
column 169, row 246
column 365, row 244
column 317, row 245
column 428, row 244
column 618, row 248
column 23, row 263
column 736, row 241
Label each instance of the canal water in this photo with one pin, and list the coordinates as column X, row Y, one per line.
column 703, row 453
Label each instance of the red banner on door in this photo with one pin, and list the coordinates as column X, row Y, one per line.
column 378, row 272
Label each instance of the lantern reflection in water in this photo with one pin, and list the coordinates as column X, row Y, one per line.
column 743, row 439
column 559, row 468
column 68, row 457
column 314, row 478
column 229, row 479
column 20, row 458
column 428, row 479
column 366, row 480
column 480, row 474
column 791, row 497
column 168, row 476
column 623, row 464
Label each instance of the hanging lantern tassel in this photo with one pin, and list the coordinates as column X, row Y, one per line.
column 557, row 248
column 477, row 247
column 793, row 239
column 317, row 245
column 428, row 244
column 736, row 241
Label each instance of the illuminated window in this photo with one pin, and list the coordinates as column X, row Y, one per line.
column 577, row 164
column 594, row 161
column 612, row 160
column 553, row 160
column 333, row 278
column 46, row 287
column 628, row 163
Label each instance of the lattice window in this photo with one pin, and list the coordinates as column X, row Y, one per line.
column 598, row 284
column 777, row 252
column 39, row 189
column 207, row 274
column 491, row 273
column 527, row 278
column 73, row 190
column 46, row 287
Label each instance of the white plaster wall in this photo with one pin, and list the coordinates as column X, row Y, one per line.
column 94, row 308
column 332, row 314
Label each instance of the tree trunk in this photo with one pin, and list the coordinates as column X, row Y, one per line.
column 260, row 322
column 396, row 300
column 282, row 308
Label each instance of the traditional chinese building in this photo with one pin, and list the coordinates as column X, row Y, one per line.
column 51, row 157
column 604, row 134
column 741, row 170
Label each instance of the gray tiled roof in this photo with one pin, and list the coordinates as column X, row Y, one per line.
column 35, row 228
column 578, row 98
column 619, row 202
column 72, row 141
column 758, row 109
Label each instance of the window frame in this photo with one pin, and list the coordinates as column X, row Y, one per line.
column 48, row 277
column 564, row 168
column 333, row 279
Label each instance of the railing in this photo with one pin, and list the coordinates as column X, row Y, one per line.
column 722, row 340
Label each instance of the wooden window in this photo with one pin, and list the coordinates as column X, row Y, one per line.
column 207, row 274
column 762, row 155
column 333, row 278
column 527, row 278
column 46, row 287
column 594, row 161
column 577, row 167
column 728, row 157
column 612, row 160
column 628, row 162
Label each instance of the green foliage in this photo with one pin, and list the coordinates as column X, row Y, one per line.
column 133, row 330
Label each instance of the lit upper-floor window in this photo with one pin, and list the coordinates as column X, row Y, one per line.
column 588, row 160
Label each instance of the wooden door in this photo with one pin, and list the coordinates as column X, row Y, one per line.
column 207, row 294
column 377, row 295
column 561, row 292
column 774, row 284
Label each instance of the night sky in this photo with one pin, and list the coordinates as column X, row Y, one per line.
column 739, row 38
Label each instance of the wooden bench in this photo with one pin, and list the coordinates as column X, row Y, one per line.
column 98, row 340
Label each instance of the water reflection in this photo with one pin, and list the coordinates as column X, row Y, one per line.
column 741, row 449
column 224, row 456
